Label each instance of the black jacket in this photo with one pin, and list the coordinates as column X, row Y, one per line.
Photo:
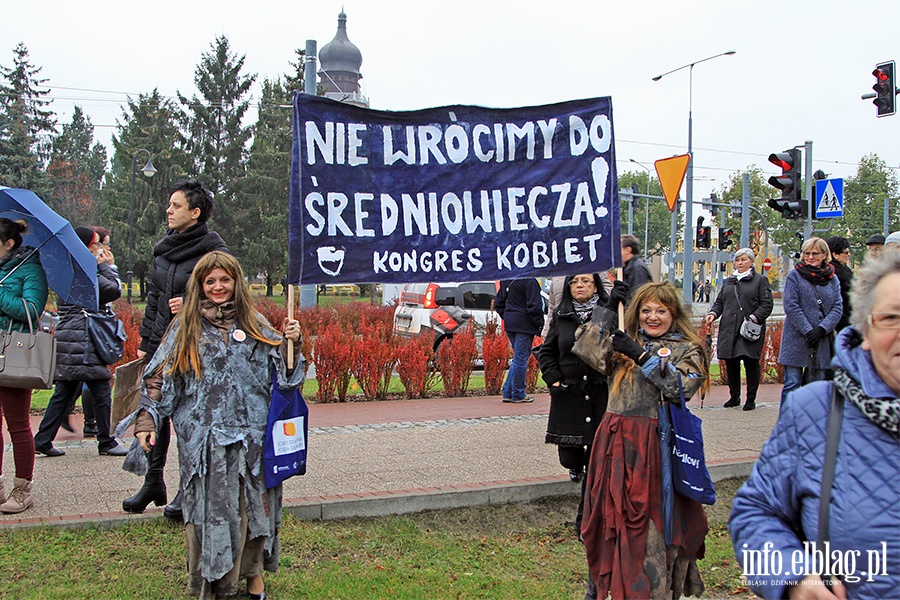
column 578, row 404
column 174, row 258
column 635, row 273
column 756, row 299
column 76, row 359
column 845, row 276
column 520, row 305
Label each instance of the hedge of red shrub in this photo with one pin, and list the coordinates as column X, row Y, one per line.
column 496, row 352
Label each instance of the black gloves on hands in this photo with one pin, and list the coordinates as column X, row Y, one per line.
column 630, row 348
column 617, row 295
column 813, row 337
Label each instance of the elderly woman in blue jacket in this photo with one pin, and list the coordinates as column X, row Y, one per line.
column 774, row 522
column 812, row 308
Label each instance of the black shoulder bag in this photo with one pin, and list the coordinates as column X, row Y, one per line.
column 832, row 437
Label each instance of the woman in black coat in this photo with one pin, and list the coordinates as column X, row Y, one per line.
column 745, row 295
column 578, row 393
column 77, row 361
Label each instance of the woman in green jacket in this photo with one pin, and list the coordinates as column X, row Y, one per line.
column 29, row 283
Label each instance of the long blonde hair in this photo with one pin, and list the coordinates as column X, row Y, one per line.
column 185, row 352
column 661, row 293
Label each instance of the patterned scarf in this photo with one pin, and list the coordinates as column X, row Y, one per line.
column 584, row 309
column 816, row 275
column 220, row 316
column 884, row 412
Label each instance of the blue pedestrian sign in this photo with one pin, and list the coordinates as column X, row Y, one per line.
column 829, row 198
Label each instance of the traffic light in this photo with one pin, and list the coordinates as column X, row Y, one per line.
column 885, row 91
column 725, row 240
column 791, row 204
column 702, row 234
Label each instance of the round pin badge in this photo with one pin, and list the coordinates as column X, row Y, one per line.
column 239, row 335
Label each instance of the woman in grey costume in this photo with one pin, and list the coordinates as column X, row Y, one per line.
column 212, row 375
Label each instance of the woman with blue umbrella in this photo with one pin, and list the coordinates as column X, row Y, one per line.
column 79, row 362
column 23, row 288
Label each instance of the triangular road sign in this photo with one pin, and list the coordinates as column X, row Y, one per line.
column 671, row 173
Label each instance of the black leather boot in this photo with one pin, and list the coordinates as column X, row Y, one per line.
column 154, row 488
column 173, row 509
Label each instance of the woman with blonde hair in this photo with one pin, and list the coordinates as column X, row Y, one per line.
column 812, row 308
column 657, row 356
column 212, row 375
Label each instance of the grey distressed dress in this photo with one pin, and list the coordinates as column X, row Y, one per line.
column 232, row 521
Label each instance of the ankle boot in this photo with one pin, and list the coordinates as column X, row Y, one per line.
column 154, row 488
column 173, row 509
column 90, row 428
column 20, row 499
column 750, row 405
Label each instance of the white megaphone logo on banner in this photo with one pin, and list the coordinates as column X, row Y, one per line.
column 331, row 259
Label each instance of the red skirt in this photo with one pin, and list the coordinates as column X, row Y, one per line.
column 623, row 525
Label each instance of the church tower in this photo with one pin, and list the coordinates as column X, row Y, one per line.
column 340, row 60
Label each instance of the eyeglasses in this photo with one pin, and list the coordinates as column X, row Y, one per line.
column 813, row 254
column 884, row 320
column 575, row 282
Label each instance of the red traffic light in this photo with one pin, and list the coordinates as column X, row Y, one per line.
column 783, row 160
column 881, row 75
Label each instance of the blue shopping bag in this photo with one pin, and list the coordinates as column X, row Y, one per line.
column 287, row 431
column 689, row 472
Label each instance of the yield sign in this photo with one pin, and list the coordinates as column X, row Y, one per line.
column 671, row 175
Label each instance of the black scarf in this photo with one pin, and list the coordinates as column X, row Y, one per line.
column 196, row 240
column 816, row 275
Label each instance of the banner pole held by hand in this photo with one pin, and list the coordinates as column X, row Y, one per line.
column 290, row 314
column 621, row 306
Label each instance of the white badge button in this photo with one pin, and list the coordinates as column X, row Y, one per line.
column 239, row 335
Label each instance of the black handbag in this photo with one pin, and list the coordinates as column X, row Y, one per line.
column 107, row 334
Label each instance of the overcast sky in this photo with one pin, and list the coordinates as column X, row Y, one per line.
column 798, row 73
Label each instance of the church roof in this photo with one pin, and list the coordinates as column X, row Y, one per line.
column 340, row 54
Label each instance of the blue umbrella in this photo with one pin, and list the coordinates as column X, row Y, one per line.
column 70, row 267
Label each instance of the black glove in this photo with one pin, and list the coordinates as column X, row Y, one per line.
column 617, row 295
column 813, row 337
column 630, row 348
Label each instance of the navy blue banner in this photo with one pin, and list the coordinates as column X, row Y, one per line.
column 457, row 193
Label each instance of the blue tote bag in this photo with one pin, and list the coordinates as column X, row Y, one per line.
column 287, row 431
column 689, row 472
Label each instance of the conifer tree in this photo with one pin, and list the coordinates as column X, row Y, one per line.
column 25, row 124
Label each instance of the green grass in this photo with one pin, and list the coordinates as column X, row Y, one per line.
column 496, row 552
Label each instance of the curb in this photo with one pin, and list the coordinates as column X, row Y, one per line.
column 379, row 504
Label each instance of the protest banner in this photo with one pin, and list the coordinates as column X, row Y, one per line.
column 457, row 193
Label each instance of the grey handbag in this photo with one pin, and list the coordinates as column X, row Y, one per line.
column 749, row 330
column 27, row 359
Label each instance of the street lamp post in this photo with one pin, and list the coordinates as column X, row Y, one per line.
column 149, row 171
column 688, row 254
column 646, row 203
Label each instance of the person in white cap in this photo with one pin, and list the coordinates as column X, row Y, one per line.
column 892, row 241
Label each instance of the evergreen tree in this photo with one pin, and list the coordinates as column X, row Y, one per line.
column 149, row 122
column 265, row 189
column 76, row 171
column 215, row 136
column 25, row 124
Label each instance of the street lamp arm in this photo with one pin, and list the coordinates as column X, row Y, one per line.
column 696, row 62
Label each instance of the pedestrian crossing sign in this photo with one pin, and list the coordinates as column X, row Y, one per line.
column 829, row 198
